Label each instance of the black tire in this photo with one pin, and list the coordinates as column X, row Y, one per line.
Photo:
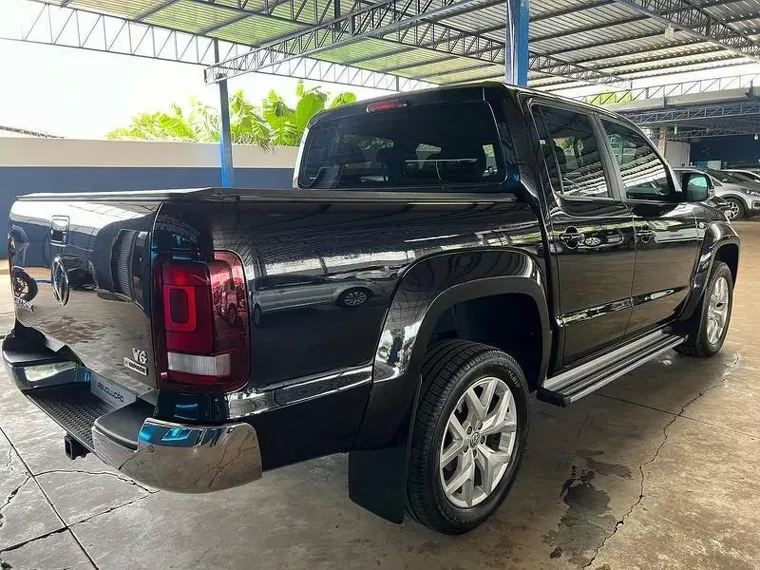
column 24, row 287
column 738, row 210
column 343, row 298
column 698, row 342
column 257, row 315
column 450, row 369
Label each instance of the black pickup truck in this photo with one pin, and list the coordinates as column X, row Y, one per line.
column 443, row 256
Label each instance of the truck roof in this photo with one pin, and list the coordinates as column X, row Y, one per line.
column 453, row 93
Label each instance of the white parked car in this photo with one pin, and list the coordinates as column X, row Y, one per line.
column 742, row 196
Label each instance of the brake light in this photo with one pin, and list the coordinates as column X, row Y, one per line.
column 201, row 329
column 386, row 105
column 187, row 307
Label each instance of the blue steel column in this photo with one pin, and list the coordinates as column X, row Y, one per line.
column 225, row 136
column 516, row 50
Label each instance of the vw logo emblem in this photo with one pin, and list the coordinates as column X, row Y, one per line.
column 60, row 281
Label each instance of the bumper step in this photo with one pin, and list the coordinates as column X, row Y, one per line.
column 77, row 410
column 73, row 407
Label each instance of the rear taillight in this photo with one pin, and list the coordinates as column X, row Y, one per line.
column 201, row 330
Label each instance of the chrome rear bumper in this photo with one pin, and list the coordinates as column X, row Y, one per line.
column 184, row 458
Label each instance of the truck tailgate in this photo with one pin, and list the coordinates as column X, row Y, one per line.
column 81, row 275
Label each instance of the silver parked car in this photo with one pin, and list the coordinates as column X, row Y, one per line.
column 282, row 292
column 744, row 174
column 742, row 196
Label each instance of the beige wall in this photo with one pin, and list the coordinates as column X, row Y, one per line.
column 70, row 152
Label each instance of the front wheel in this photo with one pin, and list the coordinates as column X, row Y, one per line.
column 354, row 297
column 735, row 209
column 709, row 324
column 469, row 435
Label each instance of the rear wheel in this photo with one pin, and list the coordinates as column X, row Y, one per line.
column 736, row 209
column 709, row 324
column 469, row 435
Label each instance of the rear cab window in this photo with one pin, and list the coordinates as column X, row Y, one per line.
column 416, row 147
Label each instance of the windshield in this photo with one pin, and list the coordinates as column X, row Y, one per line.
column 427, row 146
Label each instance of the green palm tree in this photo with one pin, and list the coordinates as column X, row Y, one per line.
column 273, row 123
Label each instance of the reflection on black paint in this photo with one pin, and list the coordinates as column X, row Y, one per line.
column 321, row 273
column 101, row 247
column 320, row 276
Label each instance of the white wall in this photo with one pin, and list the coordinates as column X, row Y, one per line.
column 72, row 152
column 677, row 153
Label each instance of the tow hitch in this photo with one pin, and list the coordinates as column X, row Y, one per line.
column 73, row 448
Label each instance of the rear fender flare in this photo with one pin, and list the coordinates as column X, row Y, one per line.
column 718, row 234
column 378, row 463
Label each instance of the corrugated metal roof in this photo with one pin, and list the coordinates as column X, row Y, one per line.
column 401, row 60
column 188, row 16
column 449, row 65
column 125, row 8
column 256, row 30
column 471, row 75
column 369, row 48
column 605, row 36
column 611, row 52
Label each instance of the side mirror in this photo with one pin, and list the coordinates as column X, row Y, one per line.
column 696, row 185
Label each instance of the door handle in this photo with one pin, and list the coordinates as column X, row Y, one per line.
column 570, row 235
column 59, row 230
column 646, row 235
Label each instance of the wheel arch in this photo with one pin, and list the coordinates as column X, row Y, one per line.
column 721, row 243
column 729, row 254
column 378, row 462
column 736, row 196
column 340, row 292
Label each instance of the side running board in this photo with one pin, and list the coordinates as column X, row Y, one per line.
column 571, row 386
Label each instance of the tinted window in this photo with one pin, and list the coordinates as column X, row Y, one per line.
column 572, row 154
column 424, row 146
column 644, row 174
column 276, row 281
column 722, row 176
column 292, row 280
column 744, row 177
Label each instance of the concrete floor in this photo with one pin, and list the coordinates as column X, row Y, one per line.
column 659, row 471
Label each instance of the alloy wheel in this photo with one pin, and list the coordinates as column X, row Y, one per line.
column 478, row 443
column 717, row 310
column 355, row 298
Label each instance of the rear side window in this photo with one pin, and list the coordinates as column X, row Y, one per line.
column 411, row 147
column 572, row 154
